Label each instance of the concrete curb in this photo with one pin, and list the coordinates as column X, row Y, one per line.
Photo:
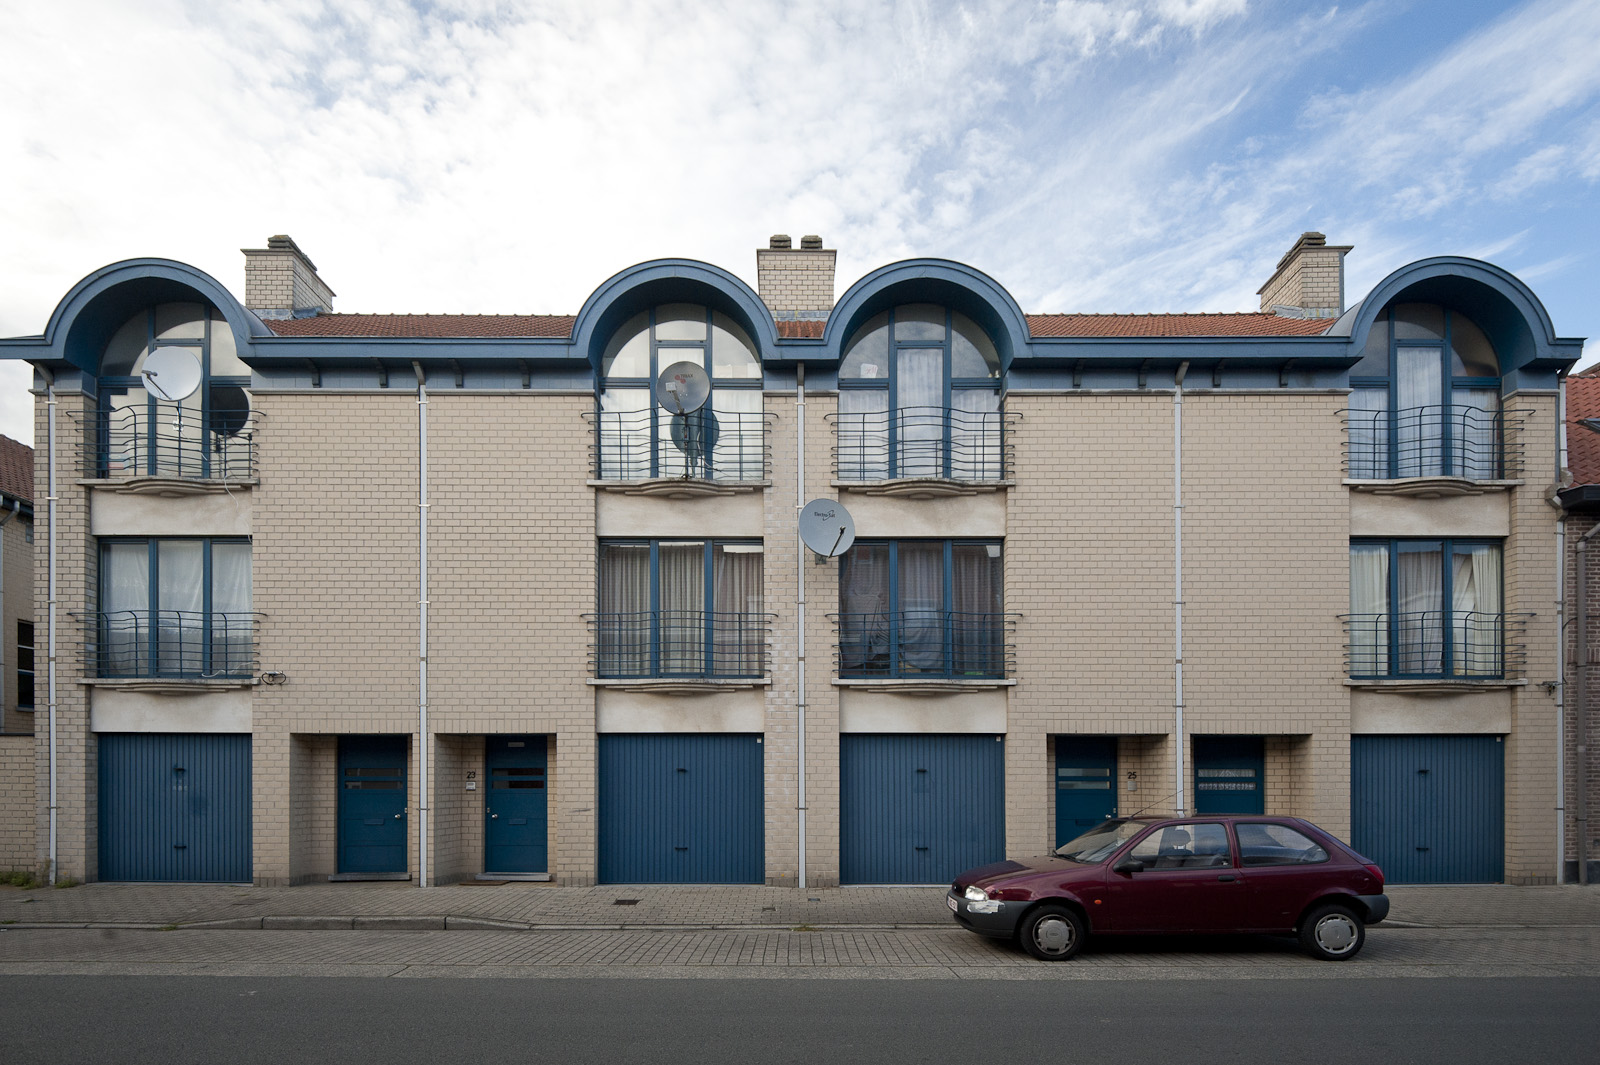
column 450, row 922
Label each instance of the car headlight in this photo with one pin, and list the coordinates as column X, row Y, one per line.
column 976, row 894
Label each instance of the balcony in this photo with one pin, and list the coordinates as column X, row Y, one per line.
column 679, row 650
column 1435, row 650
column 925, row 649
column 179, row 649
column 651, row 452
column 164, row 453
column 922, row 451
column 1434, row 450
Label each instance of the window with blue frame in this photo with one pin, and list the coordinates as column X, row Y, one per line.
column 145, row 431
column 920, row 396
column 1425, row 399
column 1426, row 608
column 724, row 440
column 174, row 608
column 922, row 608
column 680, row 608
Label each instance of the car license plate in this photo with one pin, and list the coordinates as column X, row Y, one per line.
column 950, row 902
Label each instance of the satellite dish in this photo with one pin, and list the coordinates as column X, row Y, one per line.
column 230, row 410
column 683, row 387
column 695, row 435
column 171, row 373
column 826, row 527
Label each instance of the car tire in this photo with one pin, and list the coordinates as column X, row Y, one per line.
column 1332, row 933
column 1052, row 933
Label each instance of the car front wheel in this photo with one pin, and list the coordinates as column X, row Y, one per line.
column 1052, row 933
column 1332, row 933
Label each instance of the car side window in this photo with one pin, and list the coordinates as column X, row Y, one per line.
column 1203, row 846
column 1264, row 844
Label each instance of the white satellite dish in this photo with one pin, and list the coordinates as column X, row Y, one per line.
column 171, row 373
column 683, row 387
column 826, row 527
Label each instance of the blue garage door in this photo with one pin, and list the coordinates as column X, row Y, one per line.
column 175, row 807
column 1430, row 809
column 681, row 809
column 919, row 809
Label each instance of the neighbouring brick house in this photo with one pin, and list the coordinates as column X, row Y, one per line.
column 16, row 656
column 445, row 596
column 1581, row 720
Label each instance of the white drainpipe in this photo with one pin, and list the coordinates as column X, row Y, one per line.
column 54, row 871
column 1177, row 576
column 800, row 598
column 422, row 622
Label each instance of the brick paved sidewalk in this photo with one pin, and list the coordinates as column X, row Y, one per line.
column 518, row 905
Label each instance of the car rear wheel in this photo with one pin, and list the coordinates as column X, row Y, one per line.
column 1332, row 933
column 1052, row 933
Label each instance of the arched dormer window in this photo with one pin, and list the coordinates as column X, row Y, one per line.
column 173, row 399
column 1425, row 398
column 919, row 396
column 638, row 440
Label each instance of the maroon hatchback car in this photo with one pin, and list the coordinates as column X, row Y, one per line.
column 1208, row 874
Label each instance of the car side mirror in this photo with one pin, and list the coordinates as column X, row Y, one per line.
column 1128, row 865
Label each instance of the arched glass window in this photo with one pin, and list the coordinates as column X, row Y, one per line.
column 919, row 396
column 173, row 399
column 1426, row 398
column 638, row 440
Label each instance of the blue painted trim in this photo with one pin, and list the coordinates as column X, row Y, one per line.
column 658, row 281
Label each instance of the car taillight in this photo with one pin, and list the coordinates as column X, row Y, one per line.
column 1376, row 872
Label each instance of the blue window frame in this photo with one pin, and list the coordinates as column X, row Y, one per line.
column 174, row 608
column 142, row 433
column 681, row 608
column 1425, row 398
column 725, row 440
column 1426, row 608
column 920, row 396
column 922, row 608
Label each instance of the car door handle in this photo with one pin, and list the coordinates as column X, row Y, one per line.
column 1228, row 878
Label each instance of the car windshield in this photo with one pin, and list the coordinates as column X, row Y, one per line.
column 1096, row 845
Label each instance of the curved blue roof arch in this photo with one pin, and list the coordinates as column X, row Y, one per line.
column 658, row 281
column 942, row 281
column 97, row 306
column 1505, row 308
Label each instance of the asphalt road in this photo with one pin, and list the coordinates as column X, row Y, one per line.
column 134, row 1020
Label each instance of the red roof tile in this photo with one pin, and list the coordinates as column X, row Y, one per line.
column 808, row 329
column 424, row 325
column 1247, row 324
column 16, row 469
column 1583, row 445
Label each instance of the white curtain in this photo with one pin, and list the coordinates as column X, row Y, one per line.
column 1369, row 433
column 232, row 624
column 975, row 434
column 922, row 606
column 1369, row 610
column 919, row 378
column 1477, row 617
column 1475, row 425
column 125, row 608
column 623, row 436
column 864, row 604
column 683, row 594
column 977, row 622
column 180, row 596
column 1419, row 409
column 863, row 434
column 1421, row 609
column 625, row 622
column 738, row 630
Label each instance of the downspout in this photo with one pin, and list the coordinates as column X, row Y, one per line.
column 1177, row 577
column 422, row 622
column 1562, row 608
column 800, row 601
column 53, row 871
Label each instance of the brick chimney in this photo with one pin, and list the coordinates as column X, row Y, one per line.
column 1309, row 281
column 280, row 281
column 796, row 283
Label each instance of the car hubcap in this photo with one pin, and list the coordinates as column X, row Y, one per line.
column 1053, row 935
column 1336, row 933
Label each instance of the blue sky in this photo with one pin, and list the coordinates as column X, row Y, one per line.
column 482, row 156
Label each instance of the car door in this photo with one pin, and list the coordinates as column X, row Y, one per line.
column 1189, row 882
column 1284, row 868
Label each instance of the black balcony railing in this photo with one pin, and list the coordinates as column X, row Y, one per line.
column 704, row 445
column 1437, row 441
column 925, row 643
column 1459, row 644
column 127, row 443
column 940, row 442
column 680, row 644
column 171, row 643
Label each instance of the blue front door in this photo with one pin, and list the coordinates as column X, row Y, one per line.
column 1086, row 784
column 372, row 804
column 515, row 833
column 1228, row 771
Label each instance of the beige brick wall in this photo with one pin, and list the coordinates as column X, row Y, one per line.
column 793, row 279
column 17, row 803
column 1311, row 280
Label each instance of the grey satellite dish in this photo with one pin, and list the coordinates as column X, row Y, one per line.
column 171, row 373
column 826, row 527
column 683, row 387
column 230, row 410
